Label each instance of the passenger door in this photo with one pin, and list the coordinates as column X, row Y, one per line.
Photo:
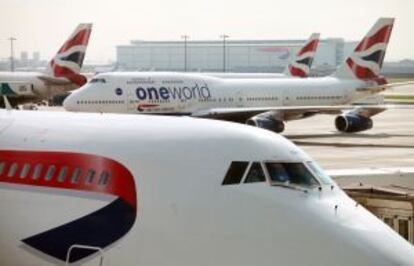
column 131, row 102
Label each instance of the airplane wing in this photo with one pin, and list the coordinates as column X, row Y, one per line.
column 287, row 113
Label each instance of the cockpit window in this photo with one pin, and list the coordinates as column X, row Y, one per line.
column 277, row 172
column 291, row 173
column 255, row 174
column 320, row 174
column 98, row 80
column 235, row 173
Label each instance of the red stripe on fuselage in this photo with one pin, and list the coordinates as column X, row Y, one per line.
column 120, row 182
column 309, row 47
column 147, row 105
column 381, row 36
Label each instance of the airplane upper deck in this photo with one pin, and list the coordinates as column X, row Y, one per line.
column 145, row 131
column 147, row 76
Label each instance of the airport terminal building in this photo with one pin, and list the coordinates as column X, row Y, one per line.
column 231, row 56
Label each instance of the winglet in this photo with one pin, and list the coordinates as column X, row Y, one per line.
column 302, row 62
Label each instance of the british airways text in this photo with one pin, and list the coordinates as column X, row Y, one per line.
column 182, row 93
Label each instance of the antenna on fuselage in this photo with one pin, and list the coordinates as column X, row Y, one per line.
column 7, row 103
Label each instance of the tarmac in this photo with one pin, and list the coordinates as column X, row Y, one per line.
column 390, row 143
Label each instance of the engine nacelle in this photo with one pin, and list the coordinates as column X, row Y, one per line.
column 352, row 123
column 267, row 122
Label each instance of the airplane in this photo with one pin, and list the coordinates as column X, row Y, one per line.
column 110, row 189
column 62, row 73
column 299, row 66
column 265, row 103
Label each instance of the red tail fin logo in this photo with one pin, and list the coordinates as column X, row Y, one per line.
column 69, row 59
column 300, row 67
column 368, row 56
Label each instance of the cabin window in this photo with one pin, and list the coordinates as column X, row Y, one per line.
column 25, row 170
column 37, row 170
column 104, row 178
column 49, row 173
column 277, row 172
column 235, row 173
column 12, row 170
column 255, row 174
column 75, row 176
column 291, row 173
column 62, row 173
column 89, row 176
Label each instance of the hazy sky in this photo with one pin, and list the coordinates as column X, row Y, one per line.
column 42, row 25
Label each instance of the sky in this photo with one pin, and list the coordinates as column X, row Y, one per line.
column 43, row 25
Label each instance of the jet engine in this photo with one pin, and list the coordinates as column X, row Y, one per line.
column 268, row 122
column 350, row 123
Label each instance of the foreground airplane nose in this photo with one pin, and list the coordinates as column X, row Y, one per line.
column 366, row 240
column 386, row 247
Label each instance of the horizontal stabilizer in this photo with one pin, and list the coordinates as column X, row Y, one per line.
column 379, row 88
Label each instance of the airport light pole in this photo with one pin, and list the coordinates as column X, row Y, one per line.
column 185, row 38
column 224, row 37
column 11, row 39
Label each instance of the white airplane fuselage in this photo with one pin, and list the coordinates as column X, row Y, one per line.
column 174, row 209
column 164, row 93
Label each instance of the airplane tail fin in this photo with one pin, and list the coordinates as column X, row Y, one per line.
column 69, row 59
column 302, row 62
column 366, row 60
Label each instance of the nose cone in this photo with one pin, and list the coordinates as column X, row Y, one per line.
column 365, row 240
column 382, row 246
column 70, row 103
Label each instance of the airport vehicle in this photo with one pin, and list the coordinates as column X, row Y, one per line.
column 299, row 66
column 145, row 190
column 61, row 75
column 265, row 103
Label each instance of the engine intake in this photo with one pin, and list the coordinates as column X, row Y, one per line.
column 352, row 123
column 267, row 122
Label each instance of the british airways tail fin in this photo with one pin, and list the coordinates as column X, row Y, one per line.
column 69, row 59
column 367, row 58
column 302, row 62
